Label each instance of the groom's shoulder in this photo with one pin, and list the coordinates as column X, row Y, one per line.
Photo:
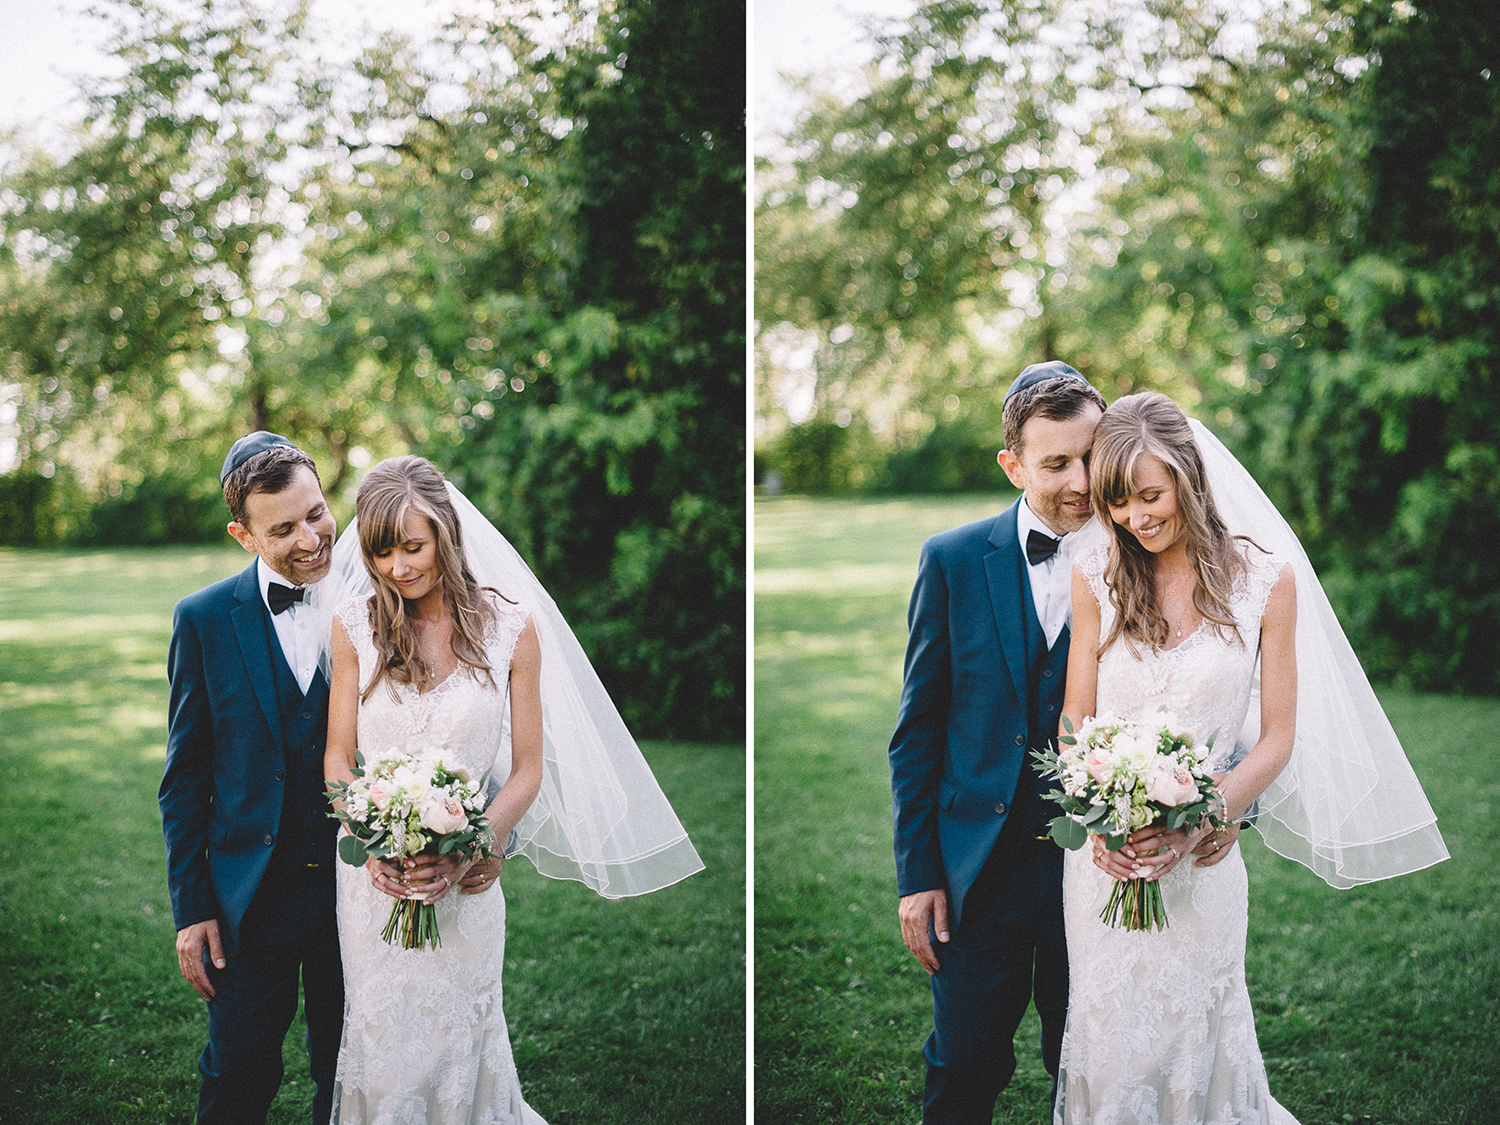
column 214, row 598
column 973, row 536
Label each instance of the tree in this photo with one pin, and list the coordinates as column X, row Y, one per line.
column 560, row 265
column 127, row 283
column 1388, row 450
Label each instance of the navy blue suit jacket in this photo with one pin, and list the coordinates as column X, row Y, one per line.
column 222, row 790
column 962, row 734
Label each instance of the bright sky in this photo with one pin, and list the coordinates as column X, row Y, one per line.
column 43, row 43
column 801, row 37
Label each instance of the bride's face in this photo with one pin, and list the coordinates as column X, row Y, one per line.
column 411, row 566
column 1150, row 511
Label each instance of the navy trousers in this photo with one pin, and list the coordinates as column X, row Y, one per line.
column 289, row 936
column 1009, row 949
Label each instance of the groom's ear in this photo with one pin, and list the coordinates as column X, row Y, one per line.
column 242, row 536
column 1012, row 466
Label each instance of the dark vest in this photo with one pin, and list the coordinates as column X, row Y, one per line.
column 307, row 833
column 1046, row 673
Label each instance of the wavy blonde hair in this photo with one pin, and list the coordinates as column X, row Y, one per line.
column 1151, row 423
column 391, row 490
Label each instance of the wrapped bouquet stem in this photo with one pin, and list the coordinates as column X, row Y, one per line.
column 1115, row 778
column 403, row 807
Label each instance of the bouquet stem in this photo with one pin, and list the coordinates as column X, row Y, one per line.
column 413, row 923
column 1135, row 904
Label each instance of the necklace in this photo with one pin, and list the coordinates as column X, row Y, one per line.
column 1168, row 594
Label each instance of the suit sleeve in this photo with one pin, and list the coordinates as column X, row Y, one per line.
column 187, row 784
column 919, row 745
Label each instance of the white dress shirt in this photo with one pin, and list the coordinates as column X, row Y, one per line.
column 296, row 629
column 1052, row 596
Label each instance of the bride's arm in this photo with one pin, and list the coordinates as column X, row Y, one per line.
column 525, row 779
column 520, row 788
column 1278, row 701
column 1083, row 654
column 338, row 754
column 1080, row 701
column 343, row 708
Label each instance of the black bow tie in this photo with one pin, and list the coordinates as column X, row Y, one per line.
column 1039, row 547
column 282, row 598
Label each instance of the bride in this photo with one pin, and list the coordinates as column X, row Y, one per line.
column 1173, row 609
column 451, row 644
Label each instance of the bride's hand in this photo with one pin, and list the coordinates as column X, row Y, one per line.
column 1148, row 854
column 431, row 877
column 481, row 875
column 1216, row 844
column 385, row 878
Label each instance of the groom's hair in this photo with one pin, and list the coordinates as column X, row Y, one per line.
column 270, row 471
column 1057, row 399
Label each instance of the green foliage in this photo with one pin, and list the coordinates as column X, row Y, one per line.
column 1296, row 238
column 517, row 248
column 630, row 1011
column 1386, row 448
column 1370, row 1004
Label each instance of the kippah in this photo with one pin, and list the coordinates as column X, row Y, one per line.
column 1040, row 372
column 247, row 447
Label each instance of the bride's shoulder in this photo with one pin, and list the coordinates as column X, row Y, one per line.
column 1263, row 570
column 1090, row 550
column 354, row 613
column 507, row 616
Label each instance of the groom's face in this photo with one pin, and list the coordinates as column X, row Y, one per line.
column 1052, row 467
column 292, row 529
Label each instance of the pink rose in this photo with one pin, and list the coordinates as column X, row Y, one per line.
column 443, row 814
column 381, row 792
column 1172, row 786
column 1098, row 763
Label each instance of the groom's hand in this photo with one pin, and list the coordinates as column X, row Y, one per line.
column 191, row 941
column 921, row 914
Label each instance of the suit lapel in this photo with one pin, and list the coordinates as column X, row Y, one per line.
column 1005, row 577
column 253, row 633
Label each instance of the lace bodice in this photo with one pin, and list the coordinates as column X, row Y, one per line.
column 1204, row 682
column 425, row 1036
column 464, row 713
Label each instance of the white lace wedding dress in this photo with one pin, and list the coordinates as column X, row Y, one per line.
column 425, row 1039
column 1159, row 1028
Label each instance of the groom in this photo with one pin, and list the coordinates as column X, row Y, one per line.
column 979, row 880
column 250, row 845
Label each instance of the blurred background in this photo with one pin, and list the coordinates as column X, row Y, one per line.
column 507, row 236
column 1283, row 214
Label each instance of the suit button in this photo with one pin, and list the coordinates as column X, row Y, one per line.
column 1048, row 673
column 308, row 714
column 1000, row 808
column 1020, row 740
column 1052, row 706
column 280, row 775
column 270, row 839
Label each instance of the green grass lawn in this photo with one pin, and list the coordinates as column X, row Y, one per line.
column 620, row 1012
column 1372, row 1005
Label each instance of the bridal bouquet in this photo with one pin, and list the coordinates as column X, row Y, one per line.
column 1118, row 777
column 402, row 807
